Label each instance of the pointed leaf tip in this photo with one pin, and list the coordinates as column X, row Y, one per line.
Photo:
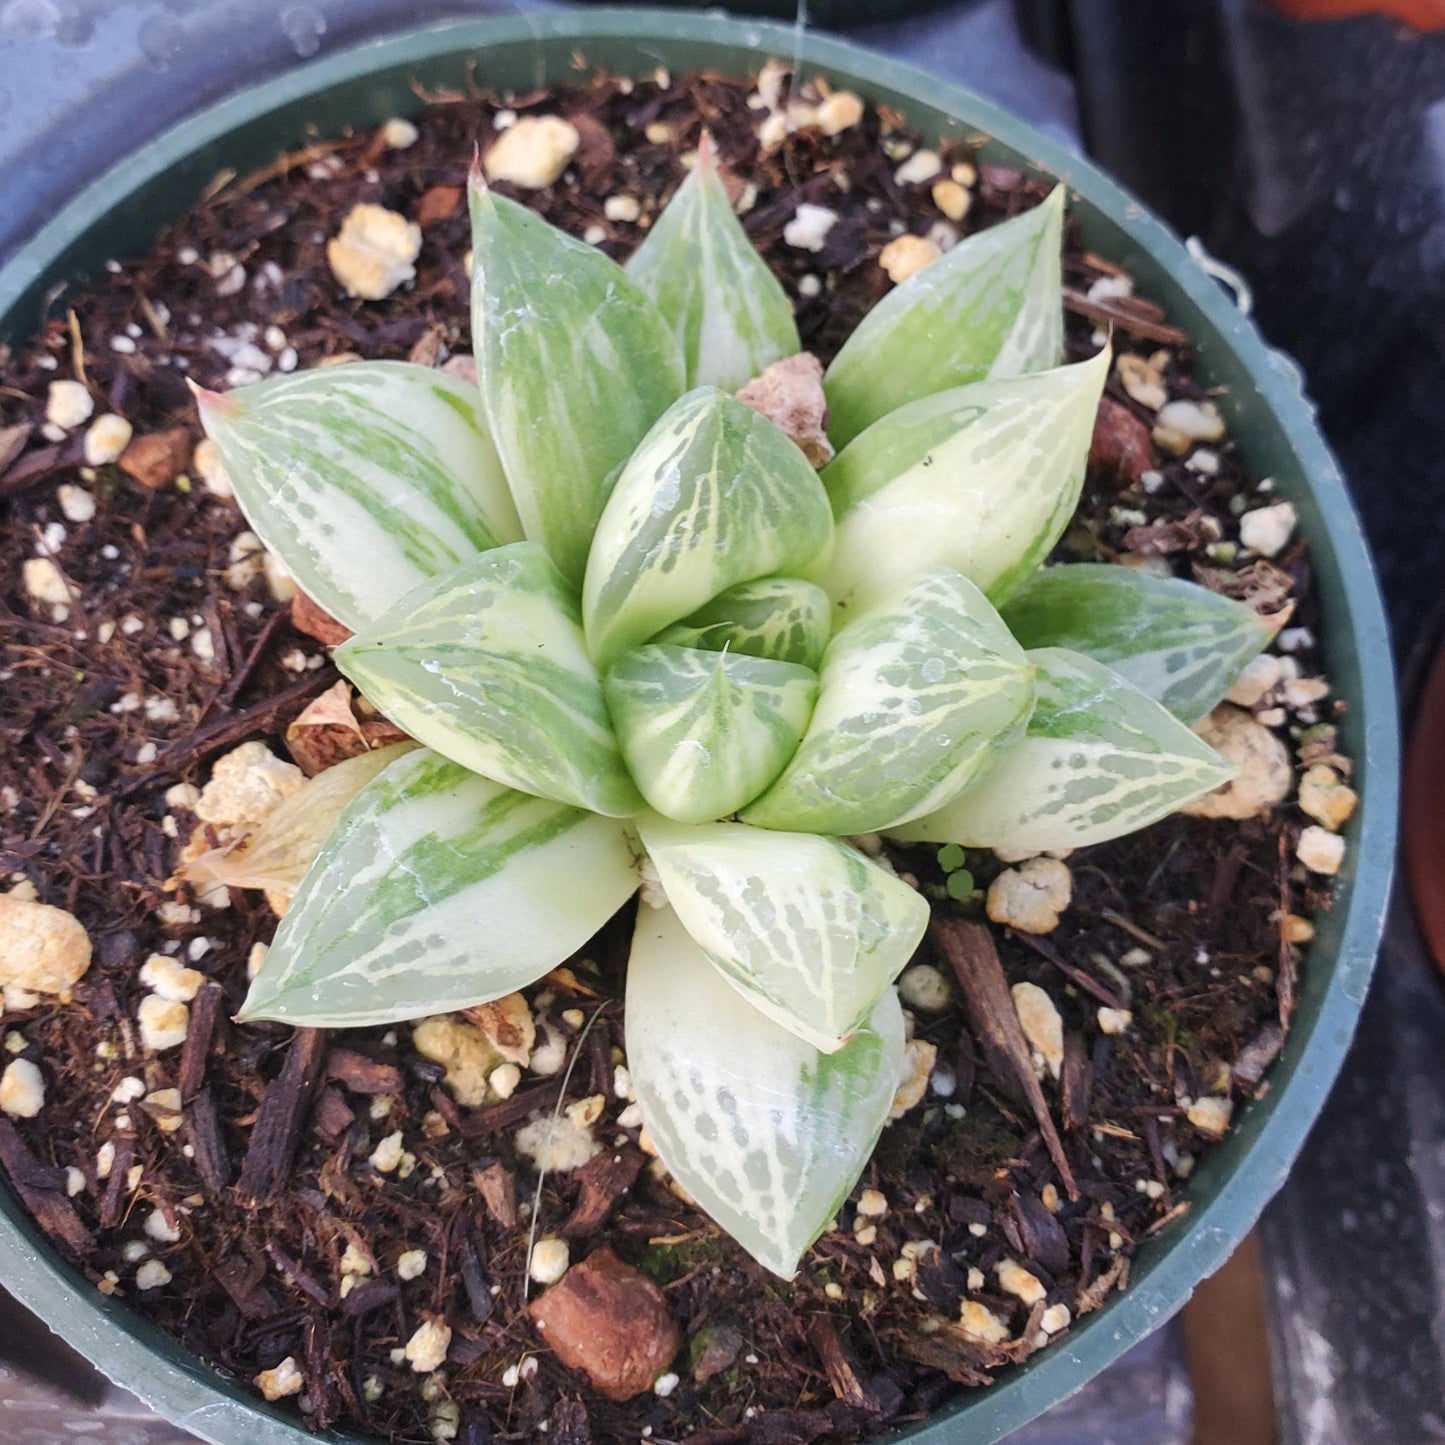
column 213, row 403
column 476, row 177
column 707, row 157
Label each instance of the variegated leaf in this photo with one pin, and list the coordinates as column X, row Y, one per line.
column 439, row 890
column 1099, row 760
column 1178, row 643
column 991, row 307
column 365, row 479
column 715, row 495
column 916, row 694
column 806, row 928
column 730, row 315
column 574, row 362
column 983, row 479
column 487, row 666
column 766, row 1133
column 784, row 618
column 705, row 732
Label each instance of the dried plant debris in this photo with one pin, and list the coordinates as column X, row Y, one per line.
column 345, row 1218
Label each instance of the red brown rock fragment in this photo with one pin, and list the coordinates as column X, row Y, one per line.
column 310, row 618
column 156, row 459
column 790, row 394
column 610, row 1321
column 1121, row 447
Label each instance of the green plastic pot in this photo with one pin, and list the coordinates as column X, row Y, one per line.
column 120, row 214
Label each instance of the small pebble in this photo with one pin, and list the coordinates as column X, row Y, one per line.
column 533, row 152
column 550, row 1258
column 1320, row 850
column 1014, row 1279
column 427, row 1349
column 412, row 1264
column 1042, row 1024
column 68, row 404
column 621, row 208
column 872, row 1204
column 76, row 503
column 808, row 230
column 906, row 255
column 399, row 134
column 952, row 199
column 22, row 1089
column 164, row 1023
column 152, row 1275
column 921, row 166
column 1211, row 1116
column 1114, row 1020
column 286, row 1379
column 841, row 111
column 1267, row 530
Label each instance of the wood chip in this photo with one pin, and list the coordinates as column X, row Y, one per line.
column 277, row 1130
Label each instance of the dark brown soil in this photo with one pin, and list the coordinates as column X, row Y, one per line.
column 95, row 732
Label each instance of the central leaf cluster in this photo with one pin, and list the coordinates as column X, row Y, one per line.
column 627, row 620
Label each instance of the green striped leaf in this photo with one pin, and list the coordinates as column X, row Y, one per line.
column 982, row 478
column 574, row 362
column 1099, row 760
column 1178, row 643
column 766, row 1133
column 705, row 732
column 487, row 666
column 784, row 618
column 715, row 495
column 365, row 479
column 730, row 315
column 916, row 694
column 991, row 307
column 439, row 890
column 806, row 928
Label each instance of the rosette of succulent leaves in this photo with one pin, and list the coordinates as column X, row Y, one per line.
column 634, row 632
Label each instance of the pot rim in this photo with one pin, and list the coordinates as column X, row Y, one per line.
column 1269, row 1132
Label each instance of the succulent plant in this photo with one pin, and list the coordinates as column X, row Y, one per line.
column 633, row 629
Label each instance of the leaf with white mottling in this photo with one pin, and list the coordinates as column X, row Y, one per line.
column 728, row 311
column 784, row 618
column 767, row 1134
column 1178, row 643
column 439, row 890
column 574, row 363
column 487, row 666
column 917, row 694
column 982, row 478
column 808, row 929
column 1099, row 760
column 705, row 732
column 991, row 307
column 365, row 479
column 715, row 495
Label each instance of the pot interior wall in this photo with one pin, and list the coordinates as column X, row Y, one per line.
column 121, row 215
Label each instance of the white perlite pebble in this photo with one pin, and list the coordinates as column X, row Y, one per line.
column 412, row 1264
column 399, row 134
column 550, row 1258
column 1320, row 850
column 163, row 1023
column 871, row 1205
column 22, row 1089
column 427, row 1349
column 152, row 1275
column 1267, row 530
column 621, row 208
column 44, row 582
column 76, row 503
column 808, row 230
column 925, row 989
column 906, row 256
column 1014, row 1279
column 841, row 111
column 171, row 979
column 533, row 152
column 1031, row 897
column 1054, row 1319
column 206, row 463
column 1114, row 1020
column 374, row 251
column 284, row 1380
column 665, row 1385
column 246, row 787
column 68, row 404
column 106, row 440
column 158, row 1228
column 1264, row 775
column 1258, row 676
column 1042, row 1024
column 46, row 950
column 980, row 1323
column 556, row 1146
column 1326, row 798
column 919, row 167
column 1210, row 1116
column 1197, row 421
column 387, row 1155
